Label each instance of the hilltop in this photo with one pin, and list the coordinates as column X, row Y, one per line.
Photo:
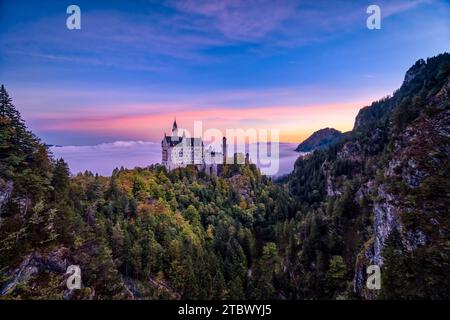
column 320, row 140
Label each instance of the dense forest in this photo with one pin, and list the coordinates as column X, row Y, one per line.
column 378, row 196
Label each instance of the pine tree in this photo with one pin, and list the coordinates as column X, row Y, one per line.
column 23, row 158
column 12, row 132
column 61, row 179
column 9, row 113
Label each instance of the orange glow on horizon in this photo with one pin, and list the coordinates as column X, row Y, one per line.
column 295, row 123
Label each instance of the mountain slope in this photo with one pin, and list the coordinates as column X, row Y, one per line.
column 381, row 196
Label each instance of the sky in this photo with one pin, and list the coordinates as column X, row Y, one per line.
column 296, row 66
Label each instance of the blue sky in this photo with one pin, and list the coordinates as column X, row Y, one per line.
column 293, row 65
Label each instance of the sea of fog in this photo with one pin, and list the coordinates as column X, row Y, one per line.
column 103, row 158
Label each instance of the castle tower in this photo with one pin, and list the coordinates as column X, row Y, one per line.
column 224, row 149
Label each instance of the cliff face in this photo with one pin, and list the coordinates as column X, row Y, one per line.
column 35, row 263
column 320, row 140
column 393, row 172
column 413, row 195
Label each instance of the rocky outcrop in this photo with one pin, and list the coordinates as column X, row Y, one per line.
column 332, row 191
column 415, row 70
column 385, row 221
column 6, row 189
column 32, row 265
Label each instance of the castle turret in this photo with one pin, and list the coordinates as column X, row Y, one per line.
column 224, row 149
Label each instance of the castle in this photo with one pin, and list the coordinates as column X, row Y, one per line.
column 181, row 151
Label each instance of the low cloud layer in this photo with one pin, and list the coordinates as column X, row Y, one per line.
column 104, row 158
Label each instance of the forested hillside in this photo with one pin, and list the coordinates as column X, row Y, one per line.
column 378, row 196
column 142, row 233
column 381, row 196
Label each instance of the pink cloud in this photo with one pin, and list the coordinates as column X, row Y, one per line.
column 294, row 122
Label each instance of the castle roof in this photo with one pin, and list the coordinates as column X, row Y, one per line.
column 173, row 141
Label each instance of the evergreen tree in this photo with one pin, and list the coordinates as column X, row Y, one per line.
column 61, row 179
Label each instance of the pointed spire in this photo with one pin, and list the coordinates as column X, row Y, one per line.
column 174, row 127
